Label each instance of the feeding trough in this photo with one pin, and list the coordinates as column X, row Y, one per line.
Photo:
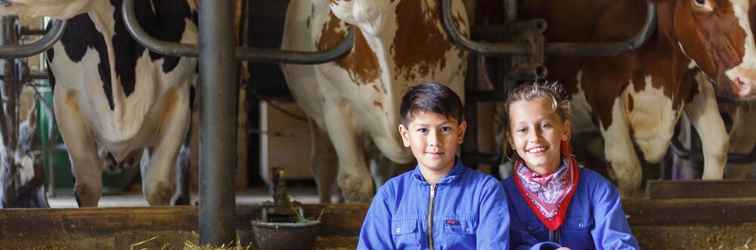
column 282, row 224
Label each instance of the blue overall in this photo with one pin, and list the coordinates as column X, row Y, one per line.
column 469, row 211
column 595, row 219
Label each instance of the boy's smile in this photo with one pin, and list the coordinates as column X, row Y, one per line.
column 434, row 140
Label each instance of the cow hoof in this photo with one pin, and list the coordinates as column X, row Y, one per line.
column 356, row 189
column 85, row 196
column 159, row 195
column 181, row 200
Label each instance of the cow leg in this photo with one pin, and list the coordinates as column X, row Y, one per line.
column 86, row 165
column 620, row 152
column 158, row 176
column 381, row 169
column 742, row 141
column 324, row 162
column 703, row 113
column 182, row 195
column 354, row 177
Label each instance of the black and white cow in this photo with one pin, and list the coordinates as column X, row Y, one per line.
column 112, row 93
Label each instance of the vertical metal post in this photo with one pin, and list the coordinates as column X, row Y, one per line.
column 8, row 36
column 218, row 113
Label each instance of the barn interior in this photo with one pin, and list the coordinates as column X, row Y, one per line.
column 269, row 164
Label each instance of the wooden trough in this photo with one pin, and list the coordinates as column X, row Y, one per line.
column 692, row 220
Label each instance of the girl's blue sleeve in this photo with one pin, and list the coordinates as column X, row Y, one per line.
column 376, row 228
column 493, row 227
column 611, row 229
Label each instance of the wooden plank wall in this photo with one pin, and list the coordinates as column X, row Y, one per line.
column 658, row 224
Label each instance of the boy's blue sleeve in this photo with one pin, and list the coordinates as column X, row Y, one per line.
column 376, row 228
column 611, row 229
column 493, row 227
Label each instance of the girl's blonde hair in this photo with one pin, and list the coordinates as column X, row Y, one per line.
column 554, row 92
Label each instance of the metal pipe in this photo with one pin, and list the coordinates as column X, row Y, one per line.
column 44, row 43
column 34, row 75
column 7, row 38
column 242, row 53
column 149, row 42
column 296, row 57
column 507, row 32
column 567, row 49
column 608, row 48
column 218, row 115
column 483, row 48
column 510, row 6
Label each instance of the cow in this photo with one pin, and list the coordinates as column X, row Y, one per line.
column 742, row 142
column 354, row 101
column 637, row 97
column 740, row 119
column 112, row 93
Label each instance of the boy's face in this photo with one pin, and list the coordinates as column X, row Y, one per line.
column 535, row 132
column 433, row 139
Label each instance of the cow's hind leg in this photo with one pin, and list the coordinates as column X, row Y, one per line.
column 86, row 165
column 703, row 113
column 324, row 163
column 158, row 175
column 182, row 196
column 354, row 177
column 620, row 152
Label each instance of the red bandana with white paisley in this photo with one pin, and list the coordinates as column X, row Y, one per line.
column 548, row 196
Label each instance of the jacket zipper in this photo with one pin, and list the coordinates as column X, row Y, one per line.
column 430, row 215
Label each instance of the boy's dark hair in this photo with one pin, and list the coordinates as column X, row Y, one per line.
column 431, row 97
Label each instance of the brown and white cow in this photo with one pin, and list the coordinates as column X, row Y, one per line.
column 355, row 100
column 743, row 142
column 740, row 120
column 114, row 94
column 637, row 97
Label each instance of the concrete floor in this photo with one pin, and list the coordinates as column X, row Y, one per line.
column 65, row 199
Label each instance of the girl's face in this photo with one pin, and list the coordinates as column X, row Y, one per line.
column 433, row 139
column 536, row 132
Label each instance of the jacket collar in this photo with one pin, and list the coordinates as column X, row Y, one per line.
column 455, row 173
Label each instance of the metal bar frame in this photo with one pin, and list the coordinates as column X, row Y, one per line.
column 44, row 43
column 567, row 49
column 218, row 114
column 241, row 53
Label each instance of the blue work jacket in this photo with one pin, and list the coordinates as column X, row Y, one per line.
column 595, row 219
column 469, row 211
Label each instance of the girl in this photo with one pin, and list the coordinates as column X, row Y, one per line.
column 554, row 203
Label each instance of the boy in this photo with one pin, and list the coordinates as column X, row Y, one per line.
column 441, row 204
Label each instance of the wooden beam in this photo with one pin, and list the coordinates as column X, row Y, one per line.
column 703, row 189
column 690, row 211
column 658, row 223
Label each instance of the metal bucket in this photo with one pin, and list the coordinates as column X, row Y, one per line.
column 285, row 235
